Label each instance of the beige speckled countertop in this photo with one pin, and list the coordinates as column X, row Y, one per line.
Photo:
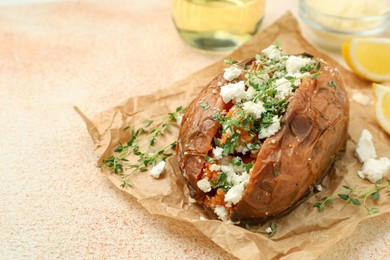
column 54, row 203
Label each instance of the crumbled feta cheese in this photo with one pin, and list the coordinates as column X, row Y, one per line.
column 232, row 73
column 234, row 91
column 234, row 194
column 191, row 200
column 241, row 149
column 179, row 118
column 271, row 129
column 228, row 131
column 297, row 82
column 365, row 148
column 228, row 169
column 361, row 98
column 215, row 167
column 255, row 109
column 250, row 92
column 295, row 63
column 268, row 230
column 204, row 185
column 217, row 151
column 259, row 79
column 277, row 74
column 273, row 52
column 157, row 170
column 221, row 213
column 283, row 88
column 374, row 169
column 239, row 182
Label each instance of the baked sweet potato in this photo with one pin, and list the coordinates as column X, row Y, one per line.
column 249, row 158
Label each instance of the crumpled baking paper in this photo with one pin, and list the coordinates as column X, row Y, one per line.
column 305, row 232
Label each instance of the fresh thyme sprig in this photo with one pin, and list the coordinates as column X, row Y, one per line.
column 356, row 197
column 141, row 134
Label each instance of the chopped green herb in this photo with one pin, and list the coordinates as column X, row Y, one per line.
column 205, row 106
column 269, row 231
column 208, row 159
column 119, row 164
column 248, row 166
column 236, row 161
column 316, row 74
column 221, row 183
column 356, row 197
column 331, row 84
column 230, row 61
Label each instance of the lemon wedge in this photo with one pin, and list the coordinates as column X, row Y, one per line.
column 382, row 105
column 369, row 57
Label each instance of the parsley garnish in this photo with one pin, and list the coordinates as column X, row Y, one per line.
column 221, row 183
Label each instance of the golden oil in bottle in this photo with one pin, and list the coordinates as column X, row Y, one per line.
column 217, row 25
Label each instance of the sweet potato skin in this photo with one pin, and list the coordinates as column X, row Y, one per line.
column 313, row 131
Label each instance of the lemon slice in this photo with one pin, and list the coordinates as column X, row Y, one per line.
column 369, row 57
column 382, row 105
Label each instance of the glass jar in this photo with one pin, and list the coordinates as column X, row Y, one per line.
column 217, row 25
column 333, row 22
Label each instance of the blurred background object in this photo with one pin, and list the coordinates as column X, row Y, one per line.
column 15, row 2
column 217, row 25
column 333, row 22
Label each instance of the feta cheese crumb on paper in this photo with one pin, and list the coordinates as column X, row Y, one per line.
column 318, row 187
column 232, row 73
column 217, row 151
column 255, row 109
column 365, row 148
column 268, row 230
column 204, row 185
column 361, row 98
column 272, row 52
column 234, row 91
column 375, row 169
column 271, row 129
column 191, row 200
column 157, row 170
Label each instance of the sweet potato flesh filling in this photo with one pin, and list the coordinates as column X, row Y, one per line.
column 238, row 160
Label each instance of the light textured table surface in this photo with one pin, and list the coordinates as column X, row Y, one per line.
column 54, row 203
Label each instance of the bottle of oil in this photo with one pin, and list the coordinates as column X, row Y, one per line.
column 217, row 25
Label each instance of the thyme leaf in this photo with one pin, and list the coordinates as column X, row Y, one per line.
column 356, row 197
column 117, row 163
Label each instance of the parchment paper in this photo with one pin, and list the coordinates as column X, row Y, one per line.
column 304, row 232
